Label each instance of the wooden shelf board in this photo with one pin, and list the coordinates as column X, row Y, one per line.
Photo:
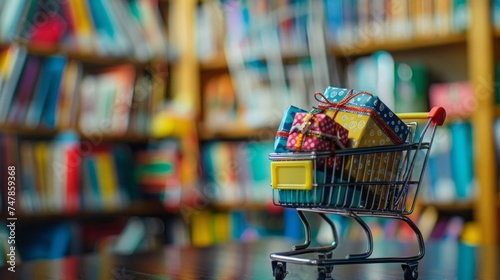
column 143, row 208
column 218, row 62
column 45, row 132
column 87, row 57
column 400, row 45
column 248, row 206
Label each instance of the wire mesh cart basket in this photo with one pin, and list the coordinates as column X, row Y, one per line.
column 381, row 181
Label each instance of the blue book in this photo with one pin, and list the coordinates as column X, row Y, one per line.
column 9, row 85
column 460, row 15
column 333, row 20
column 105, row 28
column 11, row 19
column 439, row 167
column 94, row 182
column 462, row 159
column 124, row 162
column 48, row 80
column 467, row 262
column 57, row 65
column 239, row 224
column 51, row 242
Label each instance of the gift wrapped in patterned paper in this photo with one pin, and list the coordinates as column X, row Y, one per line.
column 284, row 129
column 370, row 123
column 315, row 131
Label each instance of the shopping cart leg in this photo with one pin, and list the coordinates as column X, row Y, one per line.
column 307, row 229
column 332, row 227
column 366, row 228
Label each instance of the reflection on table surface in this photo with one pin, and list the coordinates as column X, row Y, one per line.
column 443, row 260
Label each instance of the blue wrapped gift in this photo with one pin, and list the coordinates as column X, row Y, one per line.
column 369, row 121
column 284, row 129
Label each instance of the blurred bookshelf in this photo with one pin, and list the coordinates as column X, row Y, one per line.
column 88, row 119
column 238, row 104
column 437, row 42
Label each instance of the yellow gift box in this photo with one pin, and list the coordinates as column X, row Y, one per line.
column 370, row 123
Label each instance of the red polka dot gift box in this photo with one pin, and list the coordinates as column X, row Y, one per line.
column 316, row 131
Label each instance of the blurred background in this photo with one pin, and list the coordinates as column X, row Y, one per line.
column 137, row 123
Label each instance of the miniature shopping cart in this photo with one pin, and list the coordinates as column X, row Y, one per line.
column 381, row 181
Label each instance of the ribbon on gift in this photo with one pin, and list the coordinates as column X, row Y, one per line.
column 324, row 103
column 305, row 127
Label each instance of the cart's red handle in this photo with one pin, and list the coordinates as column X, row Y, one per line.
column 437, row 114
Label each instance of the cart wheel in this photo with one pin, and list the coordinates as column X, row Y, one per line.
column 410, row 271
column 325, row 272
column 279, row 272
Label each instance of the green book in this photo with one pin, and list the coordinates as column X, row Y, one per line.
column 411, row 88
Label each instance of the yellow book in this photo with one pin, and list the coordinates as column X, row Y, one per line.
column 7, row 59
column 41, row 151
column 84, row 27
column 201, row 225
column 222, row 227
column 65, row 115
column 3, row 62
column 108, row 183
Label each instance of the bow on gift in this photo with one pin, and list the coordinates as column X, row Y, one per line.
column 324, row 103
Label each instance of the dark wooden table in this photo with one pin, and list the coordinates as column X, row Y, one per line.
column 443, row 260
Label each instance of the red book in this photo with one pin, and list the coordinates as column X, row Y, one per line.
column 73, row 160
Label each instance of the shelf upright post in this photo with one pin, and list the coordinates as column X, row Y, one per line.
column 185, row 68
column 481, row 74
column 184, row 81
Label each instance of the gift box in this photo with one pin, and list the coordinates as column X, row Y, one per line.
column 370, row 123
column 315, row 131
column 284, row 129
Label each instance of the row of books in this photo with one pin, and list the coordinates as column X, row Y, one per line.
column 276, row 52
column 69, row 175
column 211, row 227
column 118, row 28
column 209, row 30
column 284, row 23
column 347, row 24
column 263, row 90
column 220, row 105
column 407, row 87
column 54, row 92
column 361, row 22
column 225, row 107
column 450, row 175
column 60, row 239
column 402, row 86
column 236, row 172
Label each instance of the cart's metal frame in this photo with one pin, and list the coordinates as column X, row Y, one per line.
column 387, row 188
